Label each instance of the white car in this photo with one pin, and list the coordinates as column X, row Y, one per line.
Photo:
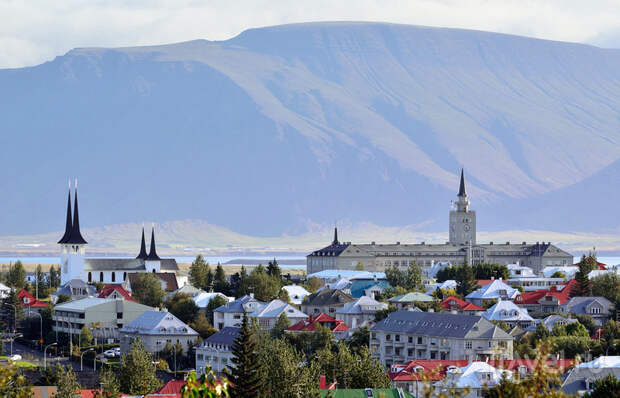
column 15, row 357
column 110, row 353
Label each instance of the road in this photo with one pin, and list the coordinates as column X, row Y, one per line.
column 36, row 357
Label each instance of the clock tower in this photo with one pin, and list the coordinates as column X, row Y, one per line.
column 462, row 220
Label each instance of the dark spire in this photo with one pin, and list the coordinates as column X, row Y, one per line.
column 153, row 253
column 462, row 191
column 142, row 254
column 335, row 242
column 69, row 224
column 76, row 235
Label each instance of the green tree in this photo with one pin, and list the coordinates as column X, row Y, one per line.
column 490, row 271
column 395, row 276
column 352, row 370
column 41, row 283
column 137, row 373
column 200, row 275
column 63, row 298
column 414, row 277
column 588, row 322
column 265, row 287
column 202, row 326
column 313, row 284
column 16, row 276
column 283, row 296
column 583, row 287
column 558, row 274
column 85, row 336
column 607, row 285
column 66, row 382
column 13, row 384
column 244, row 371
column 273, row 269
column 382, row 314
column 243, row 289
column 182, row 306
column 576, row 329
column 206, row 387
column 541, row 333
column 220, row 283
column 360, row 338
column 214, row 303
column 605, row 387
column 110, row 387
column 54, row 277
column 465, row 281
column 281, row 324
column 13, row 310
column 147, row 289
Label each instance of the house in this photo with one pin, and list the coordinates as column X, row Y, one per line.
column 171, row 389
column 520, row 271
column 268, row 315
column 156, row 329
column 104, row 316
column 475, row 377
column 296, row 293
column 216, row 350
column 495, row 290
column 360, row 312
column 76, row 289
column 530, row 284
column 115, row 292
column 599, row 308
column 455, row 304
column 202, row 299
column 4, row 291
column 408, row 335
column 29, row 302
column 581, row 378
column 332, row 275
column 231, row 314
column 543, row 301
column 364, row 287
column 411, row 375
column 337, row 326
column 408, row 300
column 509, row 313
column 364, row 393
column 326, row 301
column 552, row 320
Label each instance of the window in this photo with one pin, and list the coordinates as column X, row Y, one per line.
column 119, row 315
column 124, row 275
column 420, row 340
column 410, row 339
column 397, row 337
column 468, row 345
column 388, row 337
column 410, row 352
column 433, row 341
column 113, row 276
column 101, row 277
column 90, row 277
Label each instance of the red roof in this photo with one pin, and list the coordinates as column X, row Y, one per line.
column 171, row 387
column 107, row 290
column 535, row 296
column 308, row 325
column 484, row 282
column 451, row 302
column 601, row 266
column 28, row 300
column 88, row 393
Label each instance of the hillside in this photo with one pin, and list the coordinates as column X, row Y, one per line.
column 288, row 128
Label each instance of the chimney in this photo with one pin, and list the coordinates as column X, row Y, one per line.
column 322, row 382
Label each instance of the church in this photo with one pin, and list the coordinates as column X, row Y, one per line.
column 460, row 247
column 75, row 265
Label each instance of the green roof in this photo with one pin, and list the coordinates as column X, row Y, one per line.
column 361, row 393
column 410, row 297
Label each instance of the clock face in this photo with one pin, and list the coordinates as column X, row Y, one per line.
column 467, row 228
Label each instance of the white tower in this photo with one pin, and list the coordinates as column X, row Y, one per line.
column 152, row 262
column 72, row 245
column 462, row 220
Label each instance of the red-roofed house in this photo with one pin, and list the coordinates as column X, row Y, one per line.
column 543, row 301
column 29, row 302
column 484, row 282
column 172, row 387
column 460, row 306
column 115, row 292
column 309, row 325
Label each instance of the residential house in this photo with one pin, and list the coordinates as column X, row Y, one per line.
column 475, row 378
column 364, row 287
column 599, row 308
column 326, row 301
column 4, row 291
column 296, row 293
column 520, row 271
column 332, row 275
column 530, row 284
column 495, row 290
column 360, row 312
column 408, row 300
column 115, row 292
column 76, row 289
column 268, row 315
column 103, row 315
column 231, row 314
column 156, row 329
column 337, row 326
column 444, row 286
column 581, row 378
column 568, row 271
column 216, row 350
column 543, row 301
column 458, row 306
column 408, row 335
column 509, row 313
column 29, row 302
column 552, row 320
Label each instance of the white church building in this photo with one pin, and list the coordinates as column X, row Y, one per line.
column 75, row 265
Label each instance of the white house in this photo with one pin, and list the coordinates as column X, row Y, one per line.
column 520, row 271
column 216, row 350
column 569, row 271
column 4, row 291
column 476, row 377
column 493, row 291
column 509, row 313
column 231, row 314
column 360, row 312
column 296, row 293
column 268, row 315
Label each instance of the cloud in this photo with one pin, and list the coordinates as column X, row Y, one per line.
column 35, row 31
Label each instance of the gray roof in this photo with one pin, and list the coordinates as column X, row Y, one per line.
column 158, row 323
column 237, row 305
column 577, row 305
column 125, row 264
column 440, row 324
column 328, row 297
column 575, row 381
column 225, row 337
column 275, row 308
column 68, row 287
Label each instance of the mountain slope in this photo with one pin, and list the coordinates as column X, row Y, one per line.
column 284, row 127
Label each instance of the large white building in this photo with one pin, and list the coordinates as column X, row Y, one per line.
column 75, row 265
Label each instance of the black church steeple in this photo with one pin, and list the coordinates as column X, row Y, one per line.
column 142, row 255
column 153, row 253
column 76, row 236
column 69, row 224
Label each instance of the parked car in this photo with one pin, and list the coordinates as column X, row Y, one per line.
column 110, row 353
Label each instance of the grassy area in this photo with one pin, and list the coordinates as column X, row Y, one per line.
column 20, row 364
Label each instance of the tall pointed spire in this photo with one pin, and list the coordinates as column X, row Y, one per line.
column 335, row 242
column 142, row 255
column 153, row 253
column 69, row 224
column 76, row 235
column 462, row 191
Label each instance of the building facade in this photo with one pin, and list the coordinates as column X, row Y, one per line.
column 216, row 351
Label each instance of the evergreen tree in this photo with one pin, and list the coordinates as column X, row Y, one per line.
column 198, row 273
column 54, row 277
column 583, row 287
column 66, row 382
column 264, row 287
column 605, row 387
column 13, row 310
column 16, row 277
column 281, row 324
column 243, row 289
column 147, row 289
column 414, row 277
column 244, row 372
column 465, row 281
column 137, row 373
column 182, row 306
column 220, row 283
column 273, row 270
column 214, row 303
column 202, row 326
column 110, row 387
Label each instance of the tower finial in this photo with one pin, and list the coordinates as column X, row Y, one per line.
column 462, row 191
column 76, row 235
column 69, row 222
column 142, row 255
column 335, row 242
column 153, row 252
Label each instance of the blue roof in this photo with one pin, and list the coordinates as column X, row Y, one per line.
column 358, row 286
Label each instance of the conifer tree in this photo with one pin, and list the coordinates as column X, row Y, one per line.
column 273, row 270
column 244, row 372
column 583, row 287
column 16, row 277
column 465, row 281
column 243, row 289
column 66, row 382
column 220, row 283
column 137, row 374
column 281, row 324
column 198, row 273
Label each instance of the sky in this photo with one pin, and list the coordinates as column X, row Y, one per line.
column 35, row 31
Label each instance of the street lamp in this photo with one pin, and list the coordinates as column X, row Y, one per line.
column 13, row 337
column 45, row 355
column 82, row 359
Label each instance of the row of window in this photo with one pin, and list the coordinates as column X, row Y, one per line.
column 90, row 276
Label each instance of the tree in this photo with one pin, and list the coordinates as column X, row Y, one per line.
column 382, row 314
column 273, row 270
column 137, row 373
column 16, row 276
column 359, row 339
column 281, row 324
column 558, row 274
column 214, row 303
column 265, row 287
column 607, row 285
column 414, row 277
column 541, row 333
column 13, row 309
column 220, row 283
column 313, row 284
column 85, row 336
column 13, row 384
column 576, row 329
column 182, row 306
column 41, row 283
column 63, row 298
column 583, row 287
column 283, row 296
column 202, row 326
column 199, row 273
column 490, row 271
column 205, row 387
column 54, row 277
column 465, row 281
column 588, row 322
column 110, row 387
column 605, row 387
column 244, row 371
column 243, row 288
column 352, row 370
column 66, row 382
column 147, row 289
column 395, row 276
